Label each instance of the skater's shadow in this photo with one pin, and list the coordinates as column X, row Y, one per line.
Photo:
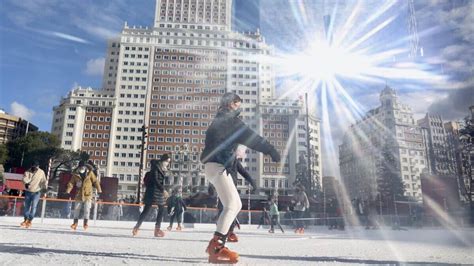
column 21, row 250
column 340, row 260
column 82, row 233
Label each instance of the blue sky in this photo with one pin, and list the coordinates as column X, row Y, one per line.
column 49, row 46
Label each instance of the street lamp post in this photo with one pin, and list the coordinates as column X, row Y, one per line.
column 308, row 147
column 142, row 159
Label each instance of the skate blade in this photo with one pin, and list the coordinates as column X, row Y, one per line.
column 223, row 260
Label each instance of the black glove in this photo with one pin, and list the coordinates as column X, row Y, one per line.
column 275, row 155
column 254, row 187
column 27, row 185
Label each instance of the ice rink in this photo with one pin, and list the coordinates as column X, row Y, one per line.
column 111, row 243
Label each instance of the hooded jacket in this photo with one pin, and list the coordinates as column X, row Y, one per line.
column 223, row 136
column 84, row 185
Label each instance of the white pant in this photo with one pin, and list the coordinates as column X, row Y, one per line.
column 227, row 193
column 87, row 208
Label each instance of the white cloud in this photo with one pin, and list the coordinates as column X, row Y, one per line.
column 100, row 32
column 69, row 37
column 63, row 36
column 421, row 100
column 95, row 67
column 22, row 111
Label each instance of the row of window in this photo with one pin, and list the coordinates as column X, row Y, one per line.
column 188, row 81
column 133, row 87
column 96, row 103
column 129, row 129
column 190, row 58
column 191, row 42
column 96, row 153
column 192, row 27
column 133, row 48
column 189, row 90
column 171, row 131
column 193, row 51
column 94, row 135
column 131, row 112
column 130, row 78
column 172, row 140
column 208, row 68
column 98, row 118
column 191, row 17
column 197, row 74
column 192, row 5
column 272, row 183
column 131, row 63
column 97, row 127
column 180, row 107
column 179, row 123
column 130, row 121
column 133, row 138
column 127, row 155
column 129, row 164
column 245, row 84
column 275, row 135
column 134, row 71
column 276, row 126
column 128, row 104
column 99, row 110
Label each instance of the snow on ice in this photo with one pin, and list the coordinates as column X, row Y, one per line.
column 111, row 243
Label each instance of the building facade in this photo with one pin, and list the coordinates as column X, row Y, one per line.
column 169, row 80
column 391, row 125
column 13, row 127
column 440, row 157
column 83, row 121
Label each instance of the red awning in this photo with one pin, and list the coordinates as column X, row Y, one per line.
column 15, row 184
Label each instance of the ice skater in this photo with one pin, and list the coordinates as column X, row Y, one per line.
column 301, row 204
column 154, row 194
column 263, row 218
column 83, row 178
column 35, row 184
column 275, row 216
column 176, row 208
column 222, row 137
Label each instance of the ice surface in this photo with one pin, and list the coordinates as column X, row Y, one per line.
column 111, row 243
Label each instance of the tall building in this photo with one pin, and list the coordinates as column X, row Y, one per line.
column 12, row 127
column 438, row 153
column 83, row 120
column 169, row 80
column 283, row 123
column 391, row 125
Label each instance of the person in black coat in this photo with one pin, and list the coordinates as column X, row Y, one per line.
column 155, row 193
column 223, row 136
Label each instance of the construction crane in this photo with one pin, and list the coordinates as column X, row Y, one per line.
column 413, row 31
